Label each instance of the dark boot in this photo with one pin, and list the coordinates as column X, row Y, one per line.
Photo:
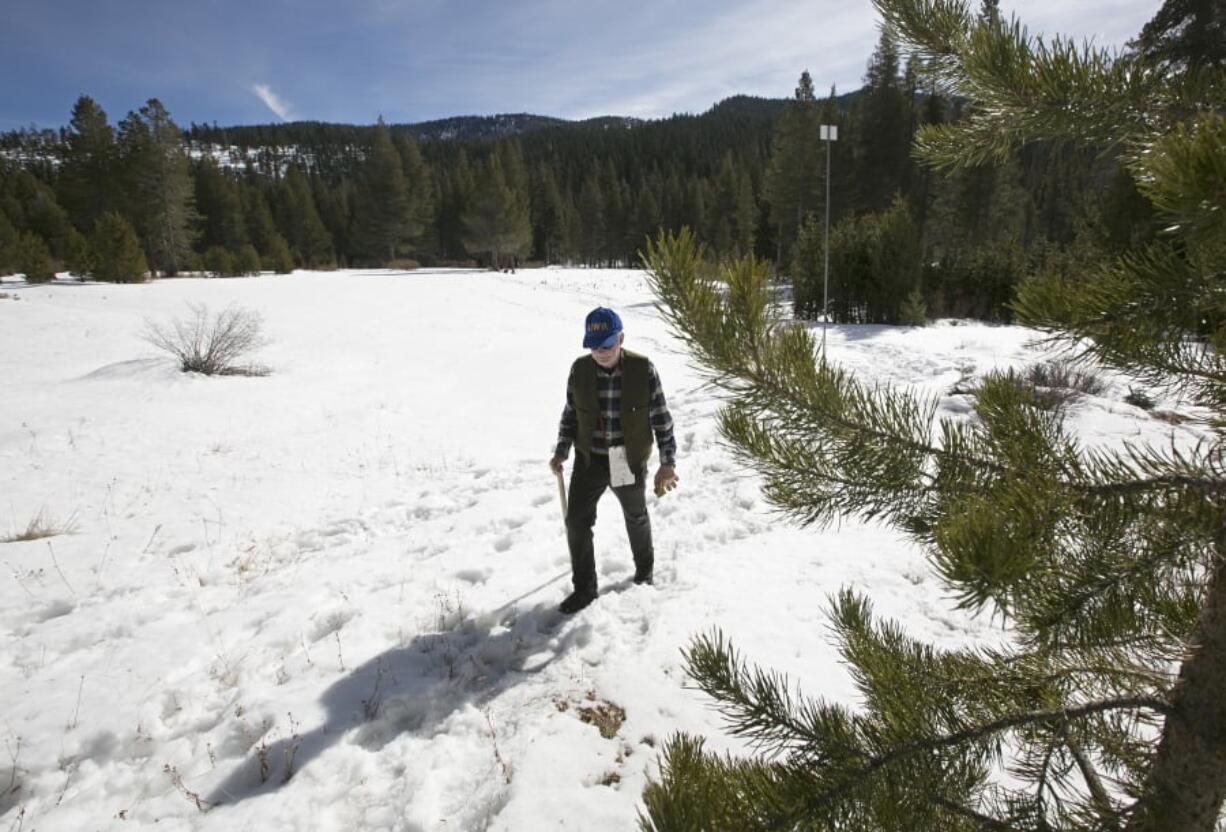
column 575, row 602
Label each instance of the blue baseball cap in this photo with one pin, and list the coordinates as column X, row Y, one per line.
column 601, row 329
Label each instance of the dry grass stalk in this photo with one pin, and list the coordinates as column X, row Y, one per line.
column 176, row 780
column 43, row 525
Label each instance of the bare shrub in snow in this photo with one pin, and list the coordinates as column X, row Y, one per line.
column 42, row 525
column 1139, row 397
column 1062, row 375
column 1057, row 383
column 1052, row 385
column 211, row 344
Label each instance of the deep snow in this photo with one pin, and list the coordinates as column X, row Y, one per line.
column 351, row 567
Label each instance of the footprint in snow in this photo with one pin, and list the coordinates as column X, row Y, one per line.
column 56, row 609
column 325, row 624
column 473, row 576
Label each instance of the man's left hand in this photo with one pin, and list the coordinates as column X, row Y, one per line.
column 666, row 479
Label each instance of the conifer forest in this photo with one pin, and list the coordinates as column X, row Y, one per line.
column 147, row 196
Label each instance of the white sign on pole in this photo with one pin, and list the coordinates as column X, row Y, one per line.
column 829, row 132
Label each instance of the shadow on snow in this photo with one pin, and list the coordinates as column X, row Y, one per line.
column 414, row 689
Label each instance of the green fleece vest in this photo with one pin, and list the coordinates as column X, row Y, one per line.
column 635, row 399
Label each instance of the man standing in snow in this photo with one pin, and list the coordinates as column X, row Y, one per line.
column 614, row 403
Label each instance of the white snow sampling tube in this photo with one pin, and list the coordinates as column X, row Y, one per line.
column 561, row 493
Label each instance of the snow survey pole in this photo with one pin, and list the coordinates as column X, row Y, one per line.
column 827, row 133
column 561, row 492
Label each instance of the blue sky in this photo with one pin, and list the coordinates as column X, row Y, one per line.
column 412, row 60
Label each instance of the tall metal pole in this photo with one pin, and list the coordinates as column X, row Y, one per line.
column 830, row 133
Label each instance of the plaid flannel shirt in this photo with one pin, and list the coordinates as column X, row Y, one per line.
column 608, row 430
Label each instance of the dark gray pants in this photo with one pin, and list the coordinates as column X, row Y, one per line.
column 588, row 481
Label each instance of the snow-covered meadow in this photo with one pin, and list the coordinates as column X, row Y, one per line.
column 347, row 571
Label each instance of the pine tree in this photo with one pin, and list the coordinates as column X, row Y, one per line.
column 429, row 246
column 456, row 190
column 1104, row 711
column 8, row 245
column 218, row 262
column 278, row 258
column 261, row 229
column 883, row 130
column 511, row 159
column 220, row 208
column 420, row 186
column 616, row 215
column 159, row 186
column 78, row 256
column 45, row 218
column 933, row 112
column 30, row 205
column 844, row 174
column 549, row 217
column 247, row 261
column 32, row 258
column 117, row 255
column 89, row 172
column 984, row 205
column 496, row 220
column 673, row 202
column 874, row 262
column 794, row 183
column 335, row 202
column 695, row 214
column 590, row 219
column 744, row 214
column 647, row 217
column 382, row 215
column 299, row 223
column 808, row 271
column 1187, row 34
column 914, row 311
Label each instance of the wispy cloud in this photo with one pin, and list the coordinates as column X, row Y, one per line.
column 413, row 61
column 281, row 108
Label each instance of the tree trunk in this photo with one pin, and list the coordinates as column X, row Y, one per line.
column 1187, row 782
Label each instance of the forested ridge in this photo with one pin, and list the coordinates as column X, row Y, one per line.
column 748, row 175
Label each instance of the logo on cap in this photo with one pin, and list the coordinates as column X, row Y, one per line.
column 602, row 328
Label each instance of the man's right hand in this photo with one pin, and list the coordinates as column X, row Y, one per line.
column 555, row 464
